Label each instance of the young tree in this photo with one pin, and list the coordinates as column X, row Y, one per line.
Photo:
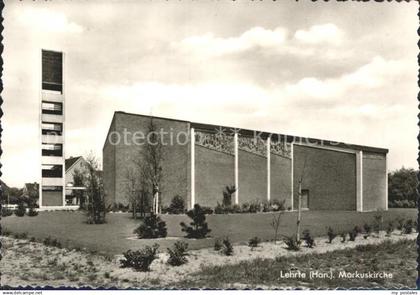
column 299, row 218
column 78, row 181
column 275, row 224
column 150, row 164
column 95, row 192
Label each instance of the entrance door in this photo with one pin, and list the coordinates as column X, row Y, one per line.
column 305, row 199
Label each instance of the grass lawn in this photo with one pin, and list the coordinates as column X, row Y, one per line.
column 113, row 238
column 398, row 258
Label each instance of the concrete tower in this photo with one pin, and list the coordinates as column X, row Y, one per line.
column 52, row 110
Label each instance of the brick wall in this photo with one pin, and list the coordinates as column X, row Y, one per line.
column 330, row 177
column 213, row 171
column 374, row 183
column 252, row 177
column 108, row 166
column 175, row 157
column 281, row 181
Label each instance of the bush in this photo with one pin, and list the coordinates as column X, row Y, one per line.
column 331, row 235
column 245, row 207
column 367, row 230
column 21, row 210
column 218, row 245
column 152, row 227
column 178, row 255
column 253, row 243
column 140, row 260
column 343, row 237
column 277, row 205
column 177, row 205
column 292, row 243
column 309, row 240
column 20, row 236
column 389, row 228
column 400, row 223
column 227, row 248
column 48, row 241
column 207, row 210
column 357, row 229
column 352, row 235
column 227, row 195
column 254, row 207
column 408, row 227
column 198, row 228
column 236, row 209
column 377, row 223
column 32, row 212
column 6, row 212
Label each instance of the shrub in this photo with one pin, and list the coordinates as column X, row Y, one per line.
column 198, row 228
column 5, row 232
column 331, row 235
column 20, row 236
column 253, row 243
column 367, row 229
column 408, row 227
column 352, row 235
column 400, row 223
column 152, row 227
column 343, row 236
column 178, row 255
column 177, row 205
column 218, row 245
column 207, row 210
column 292, row 243
column 245, row 207
column 357, row 229
column 277, row 205
column 6, row 212
column 254, row 207
column 48, row 241
column 140, row 260
column 309, row 240
column 21, row 209
column 236, row 209
column 227, row 195
column 389, row 228
column 227, row 248
column 32, row 212
column 32, row 239
column 219, row 209
column 377, row 223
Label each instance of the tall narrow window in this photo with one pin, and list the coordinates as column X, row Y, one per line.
column 52, row 70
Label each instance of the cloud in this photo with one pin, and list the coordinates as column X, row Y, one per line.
column 48, row 21
column 326, row 33
column 253, row 38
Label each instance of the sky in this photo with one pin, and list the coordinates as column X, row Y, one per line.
column 343, row 71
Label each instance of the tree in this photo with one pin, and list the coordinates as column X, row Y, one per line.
column 227, row 195
column 78, row 181
column 198, row 228
column 150, row 165
column 299, row 217
column 95, row 192
column 137, row 191
column 402, row 184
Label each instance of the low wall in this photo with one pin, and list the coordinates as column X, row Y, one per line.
column 241, row 227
